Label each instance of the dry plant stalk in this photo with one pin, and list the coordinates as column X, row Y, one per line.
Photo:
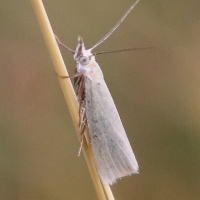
column 69, row 94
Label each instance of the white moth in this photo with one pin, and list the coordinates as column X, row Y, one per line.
column 112, row 152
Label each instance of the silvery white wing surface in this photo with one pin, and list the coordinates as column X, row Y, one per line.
column 112, row 153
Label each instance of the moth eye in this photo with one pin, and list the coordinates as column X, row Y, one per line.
column 84, row 60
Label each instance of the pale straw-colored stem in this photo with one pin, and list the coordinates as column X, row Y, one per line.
column 69, row 94
column 108, row 192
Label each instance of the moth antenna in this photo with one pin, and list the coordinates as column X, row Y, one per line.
column 121, row 50
column 116, row 26
column 60, row 43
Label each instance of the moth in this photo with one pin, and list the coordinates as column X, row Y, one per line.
column 111, row 150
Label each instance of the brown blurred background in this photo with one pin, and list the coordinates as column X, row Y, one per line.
column 157, row 93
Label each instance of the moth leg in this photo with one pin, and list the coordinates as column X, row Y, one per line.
column 70, row 76
column 63, row 76
column 81, row 143
column 82, row 126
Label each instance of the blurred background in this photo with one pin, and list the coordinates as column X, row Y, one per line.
column 157, row 93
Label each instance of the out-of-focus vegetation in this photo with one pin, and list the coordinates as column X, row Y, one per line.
column 157, row 93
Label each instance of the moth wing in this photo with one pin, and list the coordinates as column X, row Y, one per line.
column 112, row 153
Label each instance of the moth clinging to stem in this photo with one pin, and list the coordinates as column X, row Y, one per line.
column 111, row 150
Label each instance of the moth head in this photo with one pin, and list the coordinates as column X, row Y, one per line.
column 81, row 55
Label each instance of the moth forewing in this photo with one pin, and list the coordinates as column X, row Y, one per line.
column 112, row 153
